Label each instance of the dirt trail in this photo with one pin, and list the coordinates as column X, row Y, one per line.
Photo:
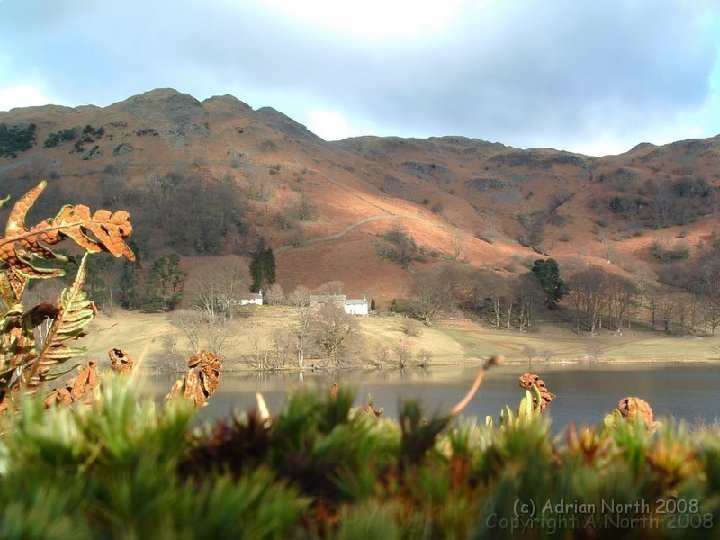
column 345, row 230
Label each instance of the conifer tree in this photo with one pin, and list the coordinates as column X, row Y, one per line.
column 547, row 272
column 129, row 285
column 269, row 267
column 262, row 267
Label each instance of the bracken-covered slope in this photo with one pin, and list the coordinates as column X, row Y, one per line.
column 209, row 178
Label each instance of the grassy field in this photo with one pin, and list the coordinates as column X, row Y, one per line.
column 149, row 337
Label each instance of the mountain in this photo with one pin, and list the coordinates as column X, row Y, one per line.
column 210, row 178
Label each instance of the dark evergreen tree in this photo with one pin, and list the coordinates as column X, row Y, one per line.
column 262, row 267
column 257, row 261
column 164, row 284
column 269, row 267
column 547, row 272
column 130, row 285
column 99, row 277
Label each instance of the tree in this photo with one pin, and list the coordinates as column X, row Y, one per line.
column 130, row 285
column 216, row 284
column 205, row 331
column 457, row 243
column 619, row 295
column 547, row 273
column 164, row 284
column 527, row 296
column 431, row 296
column 262, row 267
column 403, row 250
column 588, row 297
column 274, row 295
column 300, row 297
column 711, row 288
column 99, row 278
column 530, row 353
column 331, row 288
column 333, row 328
column 301, row 331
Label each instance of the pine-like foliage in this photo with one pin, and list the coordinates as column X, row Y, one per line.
column 262, row 267
column 128, row 468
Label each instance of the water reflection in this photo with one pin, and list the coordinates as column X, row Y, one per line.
column 584, row 393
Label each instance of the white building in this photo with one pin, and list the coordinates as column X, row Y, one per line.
column 357, row 307
column 351, row 306
column 251, row 298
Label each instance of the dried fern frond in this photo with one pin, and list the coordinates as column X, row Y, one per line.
column 24, row 255
column 201, row 380
column 74, row 314
column 22, row 248
column 82, row 388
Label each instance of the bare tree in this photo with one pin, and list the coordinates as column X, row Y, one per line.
column 595, row 352
column 190, row 324
column 275, row 294
column 711, row 286
column 204, row 331
column 331, row 288
column 403, row 355
column 300, row 297
column 381, row 356
column 530, row 353
column 423, row 358
column 333, row 328
column 457, row 243
column 491, row 227
column 410, row 327
column 667, row 308
column 432, row 296
column 619, row 293
column 301, row 331
column 587, row 296
column 528, row 296
column 215, row 286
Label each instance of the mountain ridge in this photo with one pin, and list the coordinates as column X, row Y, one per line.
column 505, row 205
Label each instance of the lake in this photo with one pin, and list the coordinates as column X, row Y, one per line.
column 584, row 393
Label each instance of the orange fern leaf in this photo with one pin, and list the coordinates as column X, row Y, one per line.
column 21, row 246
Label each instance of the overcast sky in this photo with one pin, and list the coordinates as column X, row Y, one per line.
column 590, row 76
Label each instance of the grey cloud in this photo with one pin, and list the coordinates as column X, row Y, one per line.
column 536, row 73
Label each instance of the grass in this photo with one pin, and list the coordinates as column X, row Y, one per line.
column 451, row 341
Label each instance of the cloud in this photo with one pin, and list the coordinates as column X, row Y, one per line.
column 569, row 74
column 330, row 125
column 23, row 95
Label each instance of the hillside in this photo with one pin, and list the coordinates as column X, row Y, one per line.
column 210, row 178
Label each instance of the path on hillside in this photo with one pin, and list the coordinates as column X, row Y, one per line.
column 344, row 231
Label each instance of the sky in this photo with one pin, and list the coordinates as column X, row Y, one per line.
column 589, row 76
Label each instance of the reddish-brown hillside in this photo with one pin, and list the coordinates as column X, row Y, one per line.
column 210, row 178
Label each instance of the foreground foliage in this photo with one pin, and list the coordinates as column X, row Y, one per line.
column 35, row 341
column 130, row 468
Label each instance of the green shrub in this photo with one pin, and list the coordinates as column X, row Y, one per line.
column 660, row 250
column 131, row 468
column 16, row 139
column 60, row 136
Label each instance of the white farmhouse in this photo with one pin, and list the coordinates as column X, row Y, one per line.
column 251, row 298
column 351, row 306
column 357, row 307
